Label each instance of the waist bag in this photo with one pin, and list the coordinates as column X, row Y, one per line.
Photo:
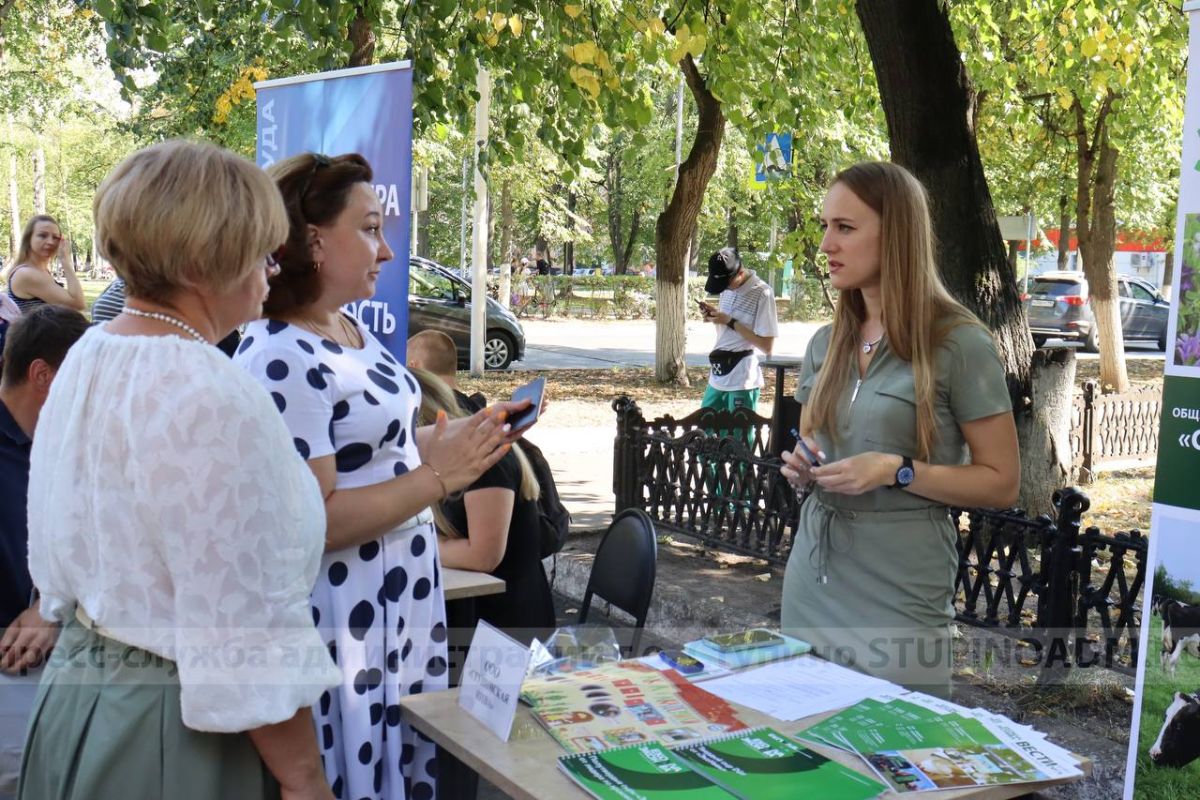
column 723, row 361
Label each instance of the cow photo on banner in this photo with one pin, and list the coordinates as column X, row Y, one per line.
column 1164, row 746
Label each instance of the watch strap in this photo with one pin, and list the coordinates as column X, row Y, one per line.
column 730, row 323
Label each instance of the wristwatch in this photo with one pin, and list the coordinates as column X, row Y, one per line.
column 904, row 475
column 729, row 324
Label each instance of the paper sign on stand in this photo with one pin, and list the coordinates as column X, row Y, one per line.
column 491, row 679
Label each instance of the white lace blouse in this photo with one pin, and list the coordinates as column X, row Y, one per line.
column 166, row 499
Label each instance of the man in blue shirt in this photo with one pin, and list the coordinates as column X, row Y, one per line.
column 34, row 349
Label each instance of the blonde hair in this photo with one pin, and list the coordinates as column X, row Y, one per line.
column 917, row 309
column 434, row 351
column 183, row 213
column 437, row 396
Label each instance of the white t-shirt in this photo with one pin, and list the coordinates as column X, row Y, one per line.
column 753, row 305
column 166, row 499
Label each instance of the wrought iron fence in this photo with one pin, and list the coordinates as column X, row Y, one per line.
column 709, row 475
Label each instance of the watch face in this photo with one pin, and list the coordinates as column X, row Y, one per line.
column 904, row 476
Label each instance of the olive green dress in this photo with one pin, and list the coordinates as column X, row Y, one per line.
column 870, row 579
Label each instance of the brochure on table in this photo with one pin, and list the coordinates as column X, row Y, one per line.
column 918, row 743
column 757, row 764
column 625, row 703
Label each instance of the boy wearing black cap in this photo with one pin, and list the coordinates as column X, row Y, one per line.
column 746, row 325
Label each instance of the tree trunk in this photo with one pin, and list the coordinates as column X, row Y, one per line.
column 14, row 208
column 568, row 266
column 506, row 248
column 1168, row 279
column 362, row 37
column 423, row 233
column 39, row 181
column 731, row 229
column 1013, row 249
column 1064, row 233
column 1096, row 165
column 616, row 200
column 675, row 225
column 635, row 227
column 1044, row 434
column 929, row 103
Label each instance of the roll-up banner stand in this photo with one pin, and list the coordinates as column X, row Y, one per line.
column 365, row 110
column 1166, row 715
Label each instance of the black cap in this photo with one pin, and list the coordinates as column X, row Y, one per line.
column 722, row 266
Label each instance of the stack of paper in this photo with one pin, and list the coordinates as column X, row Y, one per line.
column 915, row 742
column 738, row 659
column 798, row 687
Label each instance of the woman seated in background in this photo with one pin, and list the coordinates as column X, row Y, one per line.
column 172, row 528
column 30, row 280
column 493, row 527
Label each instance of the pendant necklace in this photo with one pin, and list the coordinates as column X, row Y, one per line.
column 867, row 347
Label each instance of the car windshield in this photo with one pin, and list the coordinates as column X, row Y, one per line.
column 1055, row 288
column 429, row 284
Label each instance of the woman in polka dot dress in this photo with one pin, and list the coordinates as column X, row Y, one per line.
column 352, row 409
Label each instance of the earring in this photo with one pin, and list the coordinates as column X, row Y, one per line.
column 316, row 266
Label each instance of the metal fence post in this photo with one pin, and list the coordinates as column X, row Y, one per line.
column 1087, row 472
column 626, row 452
column 1056, row 614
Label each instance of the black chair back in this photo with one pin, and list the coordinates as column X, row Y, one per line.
column 625, row 567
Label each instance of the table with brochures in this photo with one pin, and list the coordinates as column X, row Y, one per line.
column 526, row 766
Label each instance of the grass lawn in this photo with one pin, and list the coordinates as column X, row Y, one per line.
column 92, row 290
column 1153, row 782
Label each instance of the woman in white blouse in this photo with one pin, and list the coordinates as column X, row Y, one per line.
column 172, row 528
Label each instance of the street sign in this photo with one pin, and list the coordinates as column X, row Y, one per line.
column 777, row 159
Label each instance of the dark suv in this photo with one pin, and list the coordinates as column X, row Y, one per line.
column 1058, row 308
column 438, row 300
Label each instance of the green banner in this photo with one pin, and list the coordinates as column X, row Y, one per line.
column 1176, row 481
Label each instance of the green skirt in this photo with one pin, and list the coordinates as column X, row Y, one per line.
column 107, row 724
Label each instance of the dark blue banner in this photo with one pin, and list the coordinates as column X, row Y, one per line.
column 364, row 110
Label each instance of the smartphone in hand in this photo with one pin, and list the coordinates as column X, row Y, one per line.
column 705, row 308
column 535, row 392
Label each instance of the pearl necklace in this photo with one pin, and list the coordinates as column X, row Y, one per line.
column 167, row 318
column 867, row 347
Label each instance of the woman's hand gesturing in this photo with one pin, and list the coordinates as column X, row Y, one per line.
column 463, row 449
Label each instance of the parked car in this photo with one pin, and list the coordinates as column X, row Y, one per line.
column 1058, row 307
column 438, row 300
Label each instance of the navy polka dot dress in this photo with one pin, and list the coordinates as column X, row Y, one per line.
column 379, row 606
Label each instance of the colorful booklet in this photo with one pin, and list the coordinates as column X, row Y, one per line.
column 639, row 772
column 626, row 703
column 758, row 764
column 918, row 743
column 763, row 764
column 738, row 659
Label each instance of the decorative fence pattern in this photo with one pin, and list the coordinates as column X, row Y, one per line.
column 1116, row 431
column 708, row 475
